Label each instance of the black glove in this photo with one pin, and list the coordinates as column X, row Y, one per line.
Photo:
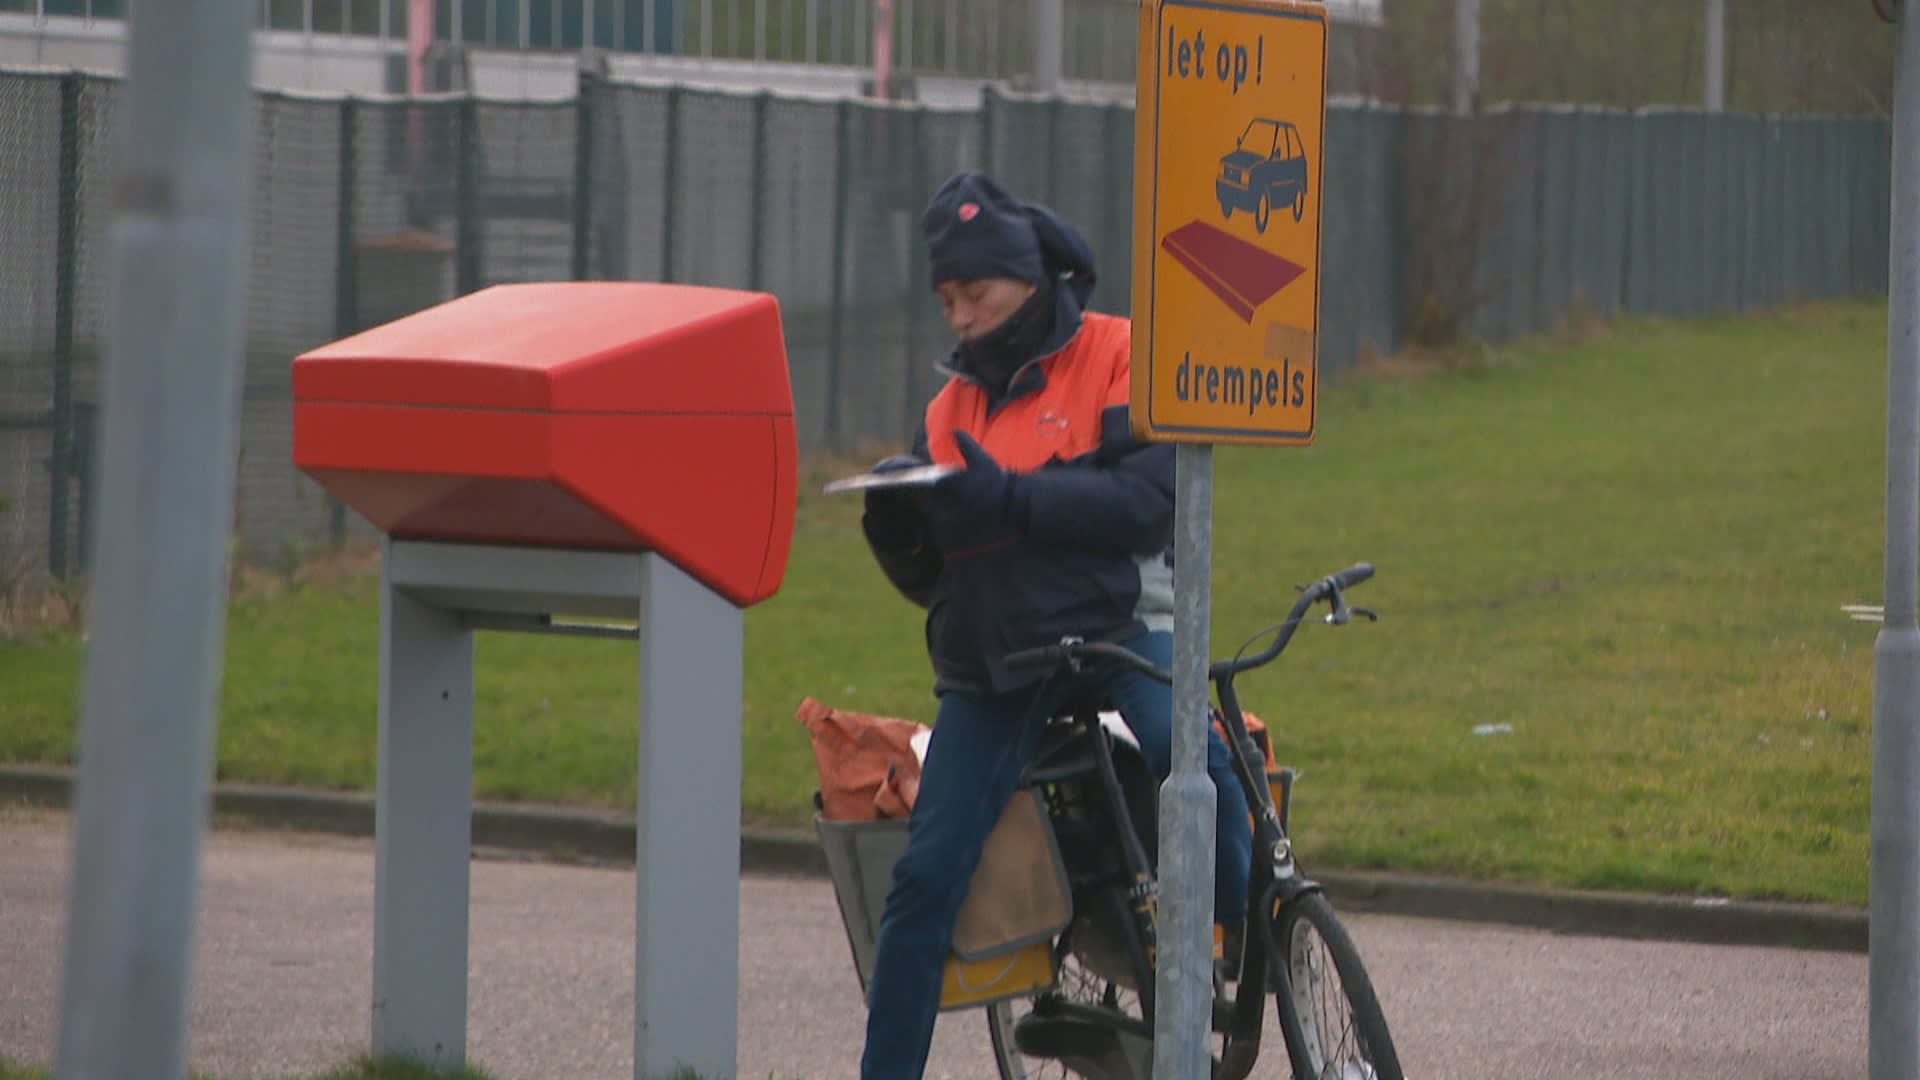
column 985, row 490
column 893, row 518
column 979, row 505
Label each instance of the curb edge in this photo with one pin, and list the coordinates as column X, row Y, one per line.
column 585, row 835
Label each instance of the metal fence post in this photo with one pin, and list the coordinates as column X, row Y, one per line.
column 583, row 134
column 1055, row 107
column 987, row 130
column 467, row 228
column 837, row 315
column 346, row 275
column 1116, row 218
column 346, row 298
column 757, row 226
column 66, row 315
column 916, row 284
column 670, row 157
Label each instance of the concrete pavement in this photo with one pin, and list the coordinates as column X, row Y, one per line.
column 284, row 979
column 573, row 833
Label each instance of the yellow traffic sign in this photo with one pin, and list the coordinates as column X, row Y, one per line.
column 1226, row 294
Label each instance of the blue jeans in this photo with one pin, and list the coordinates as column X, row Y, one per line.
column 980, row 745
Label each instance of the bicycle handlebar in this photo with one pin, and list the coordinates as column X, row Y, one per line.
column 1331, row 588
column 1351, row 576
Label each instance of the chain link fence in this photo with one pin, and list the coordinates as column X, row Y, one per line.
column 366, row 209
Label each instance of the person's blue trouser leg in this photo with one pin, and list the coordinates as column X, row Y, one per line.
column 979, row 746
column 1148, row 707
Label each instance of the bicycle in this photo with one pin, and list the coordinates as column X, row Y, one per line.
column 1097, row 1021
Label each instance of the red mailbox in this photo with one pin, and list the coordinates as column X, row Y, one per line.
column 621, row 416
column 535, row 454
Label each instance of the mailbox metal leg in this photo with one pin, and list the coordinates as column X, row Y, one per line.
column 422, row 830
column 687, row 949
column 687, row 823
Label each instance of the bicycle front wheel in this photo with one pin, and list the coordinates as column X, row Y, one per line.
column 1334, row 1027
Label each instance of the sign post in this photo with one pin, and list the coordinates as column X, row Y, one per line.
column 1231, row 119
column 1893, row 973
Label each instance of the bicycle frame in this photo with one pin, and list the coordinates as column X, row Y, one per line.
column 1275, row 882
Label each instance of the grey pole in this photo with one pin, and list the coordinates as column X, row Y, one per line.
column 157, row 616
column 1183, row 983
column 1893, row 971
column 1049, row 40
column 1466, row 56
column 1716, row 73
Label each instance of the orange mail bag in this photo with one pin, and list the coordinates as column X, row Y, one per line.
column 868, row 769
column 1018, row 898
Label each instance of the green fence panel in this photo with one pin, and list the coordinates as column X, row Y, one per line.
column 714, row 184
column 1361, row 303
column 1601, row 205
column 1504, row 219
column 370, row 209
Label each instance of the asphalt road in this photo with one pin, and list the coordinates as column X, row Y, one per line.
column 284, row 963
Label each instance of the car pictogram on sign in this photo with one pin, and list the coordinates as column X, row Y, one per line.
column 1268, row 167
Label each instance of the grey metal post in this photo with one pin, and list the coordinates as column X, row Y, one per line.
column 917, row 296
column 669, row 182
column 468, row 230
column 687, row 937
column 422, row 832
column 757, row 229
column 346, row 274
column 66, row 308
column 1716, row 72
column 1049, row 41
column 1466, row 56
column 1893, row 972
column 989, row 129
column 1183, row 983
column 584, row 133
column 158, row 610
column 843, row 177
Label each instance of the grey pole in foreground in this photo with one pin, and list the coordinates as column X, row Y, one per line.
column 1183, row 983
column 1049, row 42
column 1716, row 65
column 1893, row 972
column 158, row 610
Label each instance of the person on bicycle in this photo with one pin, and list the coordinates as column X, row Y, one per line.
column 1058, row 523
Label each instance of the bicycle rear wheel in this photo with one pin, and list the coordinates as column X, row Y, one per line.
column 1334, row 1027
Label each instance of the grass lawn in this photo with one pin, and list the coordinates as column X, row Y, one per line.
column 1631, row 549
